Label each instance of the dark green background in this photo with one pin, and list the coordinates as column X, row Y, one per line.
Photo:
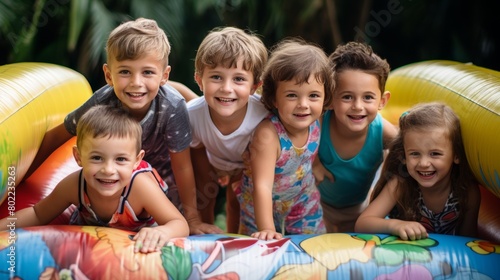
column 73, row 32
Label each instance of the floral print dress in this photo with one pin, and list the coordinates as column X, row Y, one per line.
column 296, row 200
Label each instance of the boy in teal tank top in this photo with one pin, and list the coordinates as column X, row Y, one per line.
column 353, row 135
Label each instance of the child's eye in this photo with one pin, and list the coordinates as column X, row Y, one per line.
column 369, row 97
column 96, row 158
column 347, row 97
column 315, row 95
column 291, row 95
column 215, row 77
column 121, row 159
column 239, row 79
column 148, row 72
column 435, row 154
column 124, row 72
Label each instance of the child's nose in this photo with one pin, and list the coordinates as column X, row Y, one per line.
column 356, row 104
column 108, row 168
column 424, row 161
column 303, row 103
column 135, row 79
column 226, row 86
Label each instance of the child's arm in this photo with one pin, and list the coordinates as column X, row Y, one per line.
column 469, row 223
column 389, row 132
column 53, row 139
column 170, row 221
column 184, row 177
column 373, row 220
column 320, row 173
column 264, row 150
column 206, row 185
column 186, row 92
column 48, row 208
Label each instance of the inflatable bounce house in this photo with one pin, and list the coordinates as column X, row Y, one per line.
column 37, row 96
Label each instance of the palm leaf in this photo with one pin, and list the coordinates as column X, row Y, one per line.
column 102, row 22
column 168, row 14
column 78, row 16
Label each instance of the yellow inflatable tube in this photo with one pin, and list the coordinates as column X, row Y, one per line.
column 474, row 94
column 35, row 98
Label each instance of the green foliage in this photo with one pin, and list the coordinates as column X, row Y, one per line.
column 73, row 32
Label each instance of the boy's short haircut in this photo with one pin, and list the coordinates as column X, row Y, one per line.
column 134, row 39
column 359, row 56
column 225, row 46
column 108, row 121
column 296, row 59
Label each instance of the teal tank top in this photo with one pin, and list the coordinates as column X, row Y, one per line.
column 353, row 177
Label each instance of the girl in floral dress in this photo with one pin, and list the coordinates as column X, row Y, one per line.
column 278, row 195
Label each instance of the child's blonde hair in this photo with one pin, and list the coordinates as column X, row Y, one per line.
column 359, row 56
column 108, row 121
column 420, row 118
column 295, row 59
column 134, row 39
column 225, row 46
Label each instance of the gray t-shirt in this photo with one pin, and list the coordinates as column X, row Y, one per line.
column 165, row 129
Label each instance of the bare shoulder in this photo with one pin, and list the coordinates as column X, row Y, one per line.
column 144, row 181
column 69, row 186
column 390, row 131
column 391, row 185
column 265, row 133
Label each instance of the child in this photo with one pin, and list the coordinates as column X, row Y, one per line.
column 137, row 71
column 426, row 183
column 354, row 135
column 277, row 180
column 228, row 66
column 114, row 188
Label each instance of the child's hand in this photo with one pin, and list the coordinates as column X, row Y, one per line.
column 224, row 180
column 409, row 230
column 320, row 173
column 267, row 235
column 197, row 227
column 149, row 239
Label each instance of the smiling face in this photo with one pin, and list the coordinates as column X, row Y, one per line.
column 299, row 105
column 357, row 100
column 136, row 82
column 107, row 163
column 226, row 90
column 429, row 156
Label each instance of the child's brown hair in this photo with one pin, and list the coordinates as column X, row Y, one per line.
column 134, row 39
column 295, row 59
column 225, row 46
column 359, row 56
column 108, row 121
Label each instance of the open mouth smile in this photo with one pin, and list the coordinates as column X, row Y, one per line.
column 356, row 118
column 107, row 182
column 426, row 174
column 132, row 94
column 225, row 100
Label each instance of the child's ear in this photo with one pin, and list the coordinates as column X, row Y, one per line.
column 199, row 81
column 456, row 160
column 165, row 75
column 76, row 155
column 107, row 74
column 384, row 99
column 138, row 158
column 255, row 87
